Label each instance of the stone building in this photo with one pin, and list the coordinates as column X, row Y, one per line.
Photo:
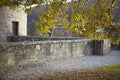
column 13, row 22
column 64, row 32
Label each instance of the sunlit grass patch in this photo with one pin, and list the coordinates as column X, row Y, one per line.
column 103, row 73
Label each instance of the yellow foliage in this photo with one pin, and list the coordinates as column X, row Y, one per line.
column 93, row 20
column 52, row 16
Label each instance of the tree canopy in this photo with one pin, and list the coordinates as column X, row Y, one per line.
column 92, row 18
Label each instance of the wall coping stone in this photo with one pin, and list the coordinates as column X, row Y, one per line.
column 42, row 42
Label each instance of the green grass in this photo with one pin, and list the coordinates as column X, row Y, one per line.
column 103, row 73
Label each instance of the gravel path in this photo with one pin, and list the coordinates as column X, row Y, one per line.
column 59, row 66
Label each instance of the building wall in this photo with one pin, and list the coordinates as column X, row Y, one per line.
column 21, row 53
column 7, row 16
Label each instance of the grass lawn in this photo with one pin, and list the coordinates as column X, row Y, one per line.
column 103, row 73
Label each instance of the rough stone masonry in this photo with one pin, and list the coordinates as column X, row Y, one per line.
column 21, row 53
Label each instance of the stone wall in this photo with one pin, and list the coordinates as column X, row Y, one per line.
column 38, row 38
column 101, row 47
column 20, row 53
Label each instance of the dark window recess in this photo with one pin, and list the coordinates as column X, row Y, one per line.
column 15, row 26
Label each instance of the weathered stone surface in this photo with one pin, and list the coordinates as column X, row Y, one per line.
column 20, row 53
column 106, row 46
column 38, row 38
column 7, row 16
column 101, row 47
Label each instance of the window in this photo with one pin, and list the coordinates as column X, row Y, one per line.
column 15, row 28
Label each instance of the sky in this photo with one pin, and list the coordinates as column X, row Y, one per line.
column 35, row 5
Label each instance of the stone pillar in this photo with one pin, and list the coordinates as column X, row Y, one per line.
column 101, row 47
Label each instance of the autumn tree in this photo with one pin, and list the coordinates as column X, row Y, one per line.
column 54, row 14
column 92, row 18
